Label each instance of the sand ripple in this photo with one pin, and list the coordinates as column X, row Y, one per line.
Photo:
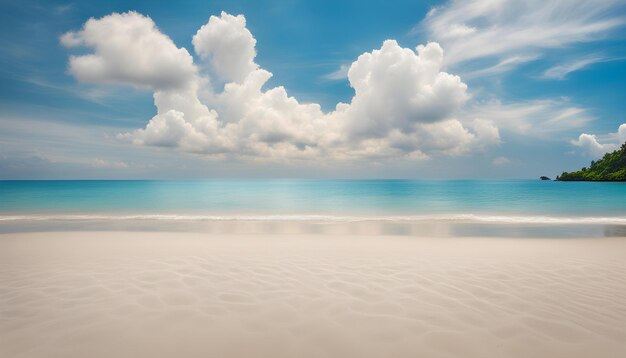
column 209, row 298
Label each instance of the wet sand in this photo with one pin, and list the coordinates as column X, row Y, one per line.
column 157, row 294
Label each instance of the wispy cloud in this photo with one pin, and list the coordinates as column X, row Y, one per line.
column 96, row 95
column 540, row 118
column 499, row 161
column 107, row 164
column 340, row 74
column 505, row 65
column 63, row 9
column 487, row 29
column 32, row 147
column 561, row 71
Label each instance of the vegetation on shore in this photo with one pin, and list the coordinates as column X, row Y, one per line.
column 612, row 167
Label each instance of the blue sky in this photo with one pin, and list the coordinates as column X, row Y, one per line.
column 539, row 89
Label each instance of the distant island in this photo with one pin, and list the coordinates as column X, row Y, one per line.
column 612, row 167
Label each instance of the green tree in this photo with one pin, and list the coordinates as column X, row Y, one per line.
column 612, row 167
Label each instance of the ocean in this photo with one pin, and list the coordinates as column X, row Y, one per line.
column 479, row 200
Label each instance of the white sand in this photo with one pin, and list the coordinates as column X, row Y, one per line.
column 122, row 294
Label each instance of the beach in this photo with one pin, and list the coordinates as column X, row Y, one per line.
column 312, row 179
column 198, row 294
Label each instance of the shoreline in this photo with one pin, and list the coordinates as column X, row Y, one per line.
column 163, row 294
column 411, row 226
column 320, row 218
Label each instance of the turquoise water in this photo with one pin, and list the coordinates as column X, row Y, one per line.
column 328, row 198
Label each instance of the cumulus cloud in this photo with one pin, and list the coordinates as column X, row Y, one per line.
column 404, row 104
column 128, row 49
column 592, row 145
column 589, row 143
column 228, row 45
column 508, row 29
column 396, row 87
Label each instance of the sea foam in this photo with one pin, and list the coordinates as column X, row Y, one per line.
column 455, row 218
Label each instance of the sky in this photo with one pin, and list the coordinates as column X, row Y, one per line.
column 480, row 89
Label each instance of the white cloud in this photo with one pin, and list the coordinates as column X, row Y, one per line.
column 589, row 143
column 340, row 74
column 96, row 95
column 166, row 130
column 503, row 66
column 397, row 87
column 228, row 45
column 129, row 49
column 501, row 29
column 404, row 104
column 621, row 133
column 596, row 147
column 560, row 72
column 537, row 118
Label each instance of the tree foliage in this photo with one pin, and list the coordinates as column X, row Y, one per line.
column 612, row 167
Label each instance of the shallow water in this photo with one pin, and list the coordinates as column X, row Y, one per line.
column 326, row 197
column 511, row 208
